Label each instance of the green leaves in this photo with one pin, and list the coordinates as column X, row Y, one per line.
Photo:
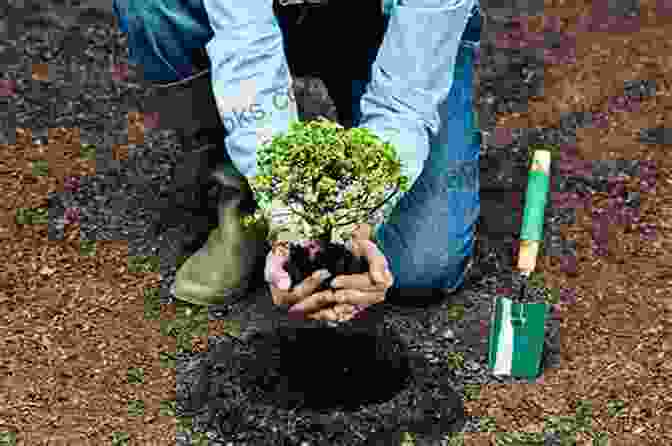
column 143, row 264
column 40, row 168
column 152, row 304
column 313, row 162
column 135, row 375
column 455, row 360
column 7, row 438
column 87, row 248
column 88, row 151
column 36, row 216
column 136, row 408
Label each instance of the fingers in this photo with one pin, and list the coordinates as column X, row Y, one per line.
column 310, row 284
column 339, row 313
column 363, row 282
column 319, row 301
column 300, row 291
column 378, row 266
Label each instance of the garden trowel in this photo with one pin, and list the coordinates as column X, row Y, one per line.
column 517, row 327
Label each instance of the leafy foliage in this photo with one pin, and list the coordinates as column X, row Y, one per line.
column 336, row 176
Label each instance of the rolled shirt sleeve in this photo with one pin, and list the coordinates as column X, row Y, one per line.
column 411, row 76
column 252, row 85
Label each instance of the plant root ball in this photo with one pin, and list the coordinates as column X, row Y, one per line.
column 335, row 257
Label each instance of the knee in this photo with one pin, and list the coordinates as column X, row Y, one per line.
column 132, row 14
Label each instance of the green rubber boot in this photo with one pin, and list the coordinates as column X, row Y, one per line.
column 226, row 268
column 228, row 265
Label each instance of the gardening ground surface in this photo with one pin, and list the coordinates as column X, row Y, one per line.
column 90, row 336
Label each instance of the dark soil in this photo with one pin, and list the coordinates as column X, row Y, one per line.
column 335, row 257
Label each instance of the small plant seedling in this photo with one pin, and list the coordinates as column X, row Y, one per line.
column 553, row 296
column 88, row 151
column 519, row 439
column 190, row 321
column 472, row 391
column 615, row 408
column 136, row 375
column 536, row 279
column 36, row 216
column 152, row 303
column 199, row 439
column 7, row 438
column 600, row 438
column 167, row 408
column 143, row 264
column 40, row 168
column 136, row 408
column 455, row 360
column 584, row 415
column 564, row 427
column 407, row 439
column 120, row 439
column 185, row 424
column 167, row 360
column 454, row 439
column 455, row 312
column 487, row 424
column 87, row 248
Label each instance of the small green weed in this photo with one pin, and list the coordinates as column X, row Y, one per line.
column 152, row 304
column 564, row 427
column 190, row 321
column 40, row 168
column 167, row 360
column 407, row 439
column 167, row 408
column 120, row 439
column 136, row 408
column 584, row 416
column 487, row 424
column 472, row 391
column 36, row 216
column 455, row 360
column 143, row 264
column 455, row 312
column 7, row 438
column 519, row 439
column 88, row 151
column 615, row 408
column 87, row 248
column 454, row 439
column 136, row 375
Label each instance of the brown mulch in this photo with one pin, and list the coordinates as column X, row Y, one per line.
column 64, row 376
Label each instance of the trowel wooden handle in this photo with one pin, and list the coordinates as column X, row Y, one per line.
column 532, row 234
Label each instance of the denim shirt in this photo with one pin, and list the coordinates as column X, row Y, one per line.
column 252, row 87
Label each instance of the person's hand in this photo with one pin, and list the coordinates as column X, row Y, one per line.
column 353, row 292
column 280, row 281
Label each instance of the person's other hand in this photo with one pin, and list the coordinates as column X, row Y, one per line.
column 280, row 281
column 353, row 292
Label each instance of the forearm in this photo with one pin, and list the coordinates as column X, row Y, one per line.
column 251, row 84
column 411, row 78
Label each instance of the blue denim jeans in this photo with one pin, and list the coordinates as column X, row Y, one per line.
column 429, row 238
